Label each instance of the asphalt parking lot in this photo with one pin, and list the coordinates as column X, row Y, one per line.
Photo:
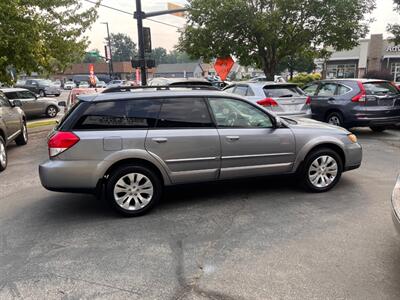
column 250, row 239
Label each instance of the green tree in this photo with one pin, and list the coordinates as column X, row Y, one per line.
column 395, row 28
column 37, row 36
column 263, row 32
column 300, row 62
column 123, row 47
column 92, row 56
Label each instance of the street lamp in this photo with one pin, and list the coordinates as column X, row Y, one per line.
column 110, row 63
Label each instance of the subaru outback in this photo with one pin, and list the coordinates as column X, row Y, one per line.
column 131, row 144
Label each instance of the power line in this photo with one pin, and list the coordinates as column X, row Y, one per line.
column 129, row 13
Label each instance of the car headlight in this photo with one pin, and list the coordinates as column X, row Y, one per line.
column 352, row 138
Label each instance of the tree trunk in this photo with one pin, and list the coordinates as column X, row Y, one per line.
column 291, row 71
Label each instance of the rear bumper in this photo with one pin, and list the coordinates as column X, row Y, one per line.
column 71, row 176
column 371, row 116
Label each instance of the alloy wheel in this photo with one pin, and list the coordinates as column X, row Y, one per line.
column 51, row 112
column 334, row 120
column 133, row 191
column 323, row 171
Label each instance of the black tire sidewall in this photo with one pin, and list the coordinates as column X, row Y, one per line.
column 42, row 93
column 20, row 141
column 2, row 168
column 338, row 115
column 47, row 111
column 121, row 171
column 308, row 161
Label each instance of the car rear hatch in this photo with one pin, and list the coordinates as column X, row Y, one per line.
column 286, row 99
column 381, row 94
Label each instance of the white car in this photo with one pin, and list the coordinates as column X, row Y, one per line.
column 84, row 84
column 69, row 85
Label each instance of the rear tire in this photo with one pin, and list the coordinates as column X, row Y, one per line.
column 42, row 93
column 335, row 118
column 3, row 155
column 378, row 128
column 321, row 170
column 22, row 139
column 133, row 190
column 51, row 111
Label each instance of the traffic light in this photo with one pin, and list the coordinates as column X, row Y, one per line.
column 147, row 39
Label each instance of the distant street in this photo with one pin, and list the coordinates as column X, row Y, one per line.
column 251, row 239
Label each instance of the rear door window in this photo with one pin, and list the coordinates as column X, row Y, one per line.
column 123, row 114
column 342, row 89
column 230, row 89
column 327, row 90
column 12, row 95
column 380, row 88
column 184, row 113
column 282, row 91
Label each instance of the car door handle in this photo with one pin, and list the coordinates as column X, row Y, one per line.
column 160, row 140
column 233, row 137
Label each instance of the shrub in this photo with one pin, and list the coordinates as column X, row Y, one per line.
column 303, row 78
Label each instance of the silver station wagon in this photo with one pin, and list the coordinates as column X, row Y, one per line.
column 131, row 144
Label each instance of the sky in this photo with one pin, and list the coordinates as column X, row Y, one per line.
column 167, row 36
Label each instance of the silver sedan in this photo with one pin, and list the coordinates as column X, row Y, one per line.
column 33, row 105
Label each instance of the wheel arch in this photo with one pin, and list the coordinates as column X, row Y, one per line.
column 137, row 162
column 328, row 144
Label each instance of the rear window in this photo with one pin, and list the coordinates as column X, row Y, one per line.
column 380, row 88
column 126, row 114
column 279, row 91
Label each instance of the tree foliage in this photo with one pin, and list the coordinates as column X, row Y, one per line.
column 263, row 32
column 41, row 35
column 122, row 46
column 161, row 56
column 302, row 79
column 300, row 62
column 394, row 29
column 92, row 56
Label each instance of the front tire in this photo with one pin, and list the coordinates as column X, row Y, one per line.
column 133, row 190
column 22, row 139
column 378, row 128
column 322, row 170
column 51, row 111
column 3, row 155
column 335, row 118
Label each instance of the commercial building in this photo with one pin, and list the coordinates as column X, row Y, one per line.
column 374, row 54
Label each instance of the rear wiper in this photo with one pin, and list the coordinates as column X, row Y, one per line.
column 285, row 96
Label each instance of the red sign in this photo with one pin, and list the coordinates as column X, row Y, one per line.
column 91, row 69
column 223, row 66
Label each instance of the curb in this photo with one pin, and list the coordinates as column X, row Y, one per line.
column 41, row 123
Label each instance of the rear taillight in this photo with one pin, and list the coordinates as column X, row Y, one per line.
column 60, row 142
column 267, row 102
column 362, row 95
column 308, row 101
column 397, row 87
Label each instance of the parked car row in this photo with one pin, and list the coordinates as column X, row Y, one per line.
column 42, row 87
column 342, row 102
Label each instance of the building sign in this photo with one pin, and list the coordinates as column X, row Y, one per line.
column 393, row 48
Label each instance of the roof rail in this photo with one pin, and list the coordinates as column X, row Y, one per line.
column 120, row 89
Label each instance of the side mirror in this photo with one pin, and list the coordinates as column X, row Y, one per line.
column 278, row 122
column 62, row 103
column 16, row 103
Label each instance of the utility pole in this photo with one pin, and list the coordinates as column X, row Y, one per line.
column 110, row 63
column 139, row 15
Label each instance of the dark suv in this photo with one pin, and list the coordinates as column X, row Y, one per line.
column 355, row 102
